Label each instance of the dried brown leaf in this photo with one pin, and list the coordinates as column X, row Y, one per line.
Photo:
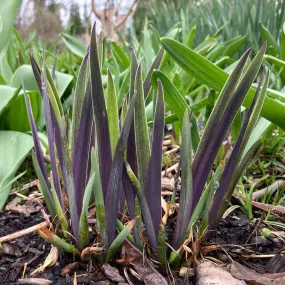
column 143, row 266
column 208, row 273
column 252, row 277
column 112, row 273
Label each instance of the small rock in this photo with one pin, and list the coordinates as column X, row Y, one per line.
column 186, row 272
column 11, row 249
column 259, row 240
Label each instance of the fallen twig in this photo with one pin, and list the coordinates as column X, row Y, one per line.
column 268, row 190
column 24, row 232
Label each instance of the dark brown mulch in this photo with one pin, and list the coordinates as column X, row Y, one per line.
column 33, row 250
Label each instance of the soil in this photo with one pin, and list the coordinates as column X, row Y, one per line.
column 232, row 234
column 33, row 250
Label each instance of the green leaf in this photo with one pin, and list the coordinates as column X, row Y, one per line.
column 99, row 200
column 112, row 111
column 14, row 147
column 83, row 239
column 114, row 247
column 211, row 75
column 74, row 45
column 62, row 79
column 121, row 58
column 8, row 13
column 177, row 103
column 141, row 131
column 266, row 35
column 13, row 113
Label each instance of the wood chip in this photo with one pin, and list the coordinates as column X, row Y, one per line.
column 69, row 269
column 35, row 281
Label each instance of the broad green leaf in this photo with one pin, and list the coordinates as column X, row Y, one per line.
column 14, row 147
column 8, row 13
column 211, row 75
column 62, row 79
column 74, row 44
column 177, row 103
column 13, row 113
column 5, row 69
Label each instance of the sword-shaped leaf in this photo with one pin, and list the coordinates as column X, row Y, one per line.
column 147, row 218
column 100, row 114
column 141, row 131
column 153, row 189
column 81, row 162
column 114, row 247
column 44, row 187
column 229, row 178
column 37, row 145
column 186, row 194
column 83, row 222
column 155, row 65
column 221, row 118
column 78, row 100
column 112, row 111
column 99, row 200
column 113, row 193
column 177, row 103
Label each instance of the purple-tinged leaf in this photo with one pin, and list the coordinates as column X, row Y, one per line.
column 228, row 103
column 84, row 143
column 149, row 228
column 153, row 189
column 229, row 178
column 37, row 145
column 100, row 114
column 51, row 141
column 113, row 193
column 129, row 193
column 186, row 194
column 141, row 131
column 155, row 65
column 53, row 131
column 78, row 101
column 132, row 158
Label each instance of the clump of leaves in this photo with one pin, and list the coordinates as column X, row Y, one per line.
column 113, row 160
